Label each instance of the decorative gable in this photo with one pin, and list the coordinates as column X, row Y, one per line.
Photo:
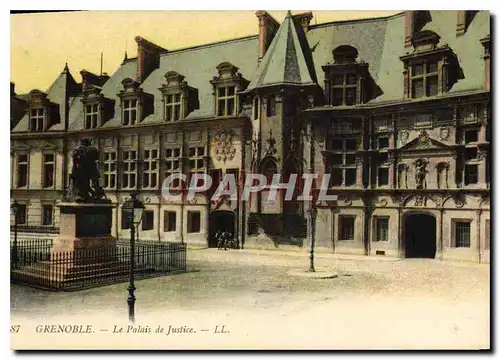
column 423, row 142
column 135, row 103
column 42, row 112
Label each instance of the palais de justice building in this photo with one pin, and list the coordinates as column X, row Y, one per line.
column 396, row 109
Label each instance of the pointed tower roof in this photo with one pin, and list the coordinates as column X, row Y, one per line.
column 284, row 61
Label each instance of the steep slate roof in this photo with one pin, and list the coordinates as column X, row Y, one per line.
column 65, row 83
column 284, row 61
column 292, row 58
column 198, row 65
column 380, row 43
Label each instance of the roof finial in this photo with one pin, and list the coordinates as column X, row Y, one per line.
column 125, row 58
column 288, row 14
column 66, row 68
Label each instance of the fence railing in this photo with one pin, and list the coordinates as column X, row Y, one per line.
column 34, row 263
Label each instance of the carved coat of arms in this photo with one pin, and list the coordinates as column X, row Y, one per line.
column 224, row 145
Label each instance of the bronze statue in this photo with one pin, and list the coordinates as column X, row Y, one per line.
column 84, row 178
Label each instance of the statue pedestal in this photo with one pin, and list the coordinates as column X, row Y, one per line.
column 84, row 226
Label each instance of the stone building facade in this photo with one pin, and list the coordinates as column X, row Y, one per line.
column 395, row 109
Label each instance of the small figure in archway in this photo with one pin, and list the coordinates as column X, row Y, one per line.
column 420, row 172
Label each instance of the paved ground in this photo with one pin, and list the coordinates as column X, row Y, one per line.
column 373, row 303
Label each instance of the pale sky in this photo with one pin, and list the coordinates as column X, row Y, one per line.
column 42, row 43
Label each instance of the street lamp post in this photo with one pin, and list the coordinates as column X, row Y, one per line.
column 312, row 217
column 15, row 210
column 134, row 210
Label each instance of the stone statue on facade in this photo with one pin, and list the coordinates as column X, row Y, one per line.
column 84, row 178
column 420, row 173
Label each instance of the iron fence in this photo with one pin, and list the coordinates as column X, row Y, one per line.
column 35, row 263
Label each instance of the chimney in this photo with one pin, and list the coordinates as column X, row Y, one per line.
column 303, row 20
column 409, row 27
column 267, row 29
column 148, row 57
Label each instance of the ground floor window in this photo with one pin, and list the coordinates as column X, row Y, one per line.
column 169, row 221
column 462, row 233
column 382, row 229
column 193, row 222
column 346, row 227
column 47, row 215
column 125, row 220
column 21, row 214
column 148, row 220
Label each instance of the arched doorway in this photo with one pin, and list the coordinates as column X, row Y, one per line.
column 220, row 221
column 420, row 236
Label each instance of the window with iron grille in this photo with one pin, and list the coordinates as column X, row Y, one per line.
column 342, row 161
column 172, row 165
column 22, row 170
column 150, row 169
column 148, row 220
column 109, row 165
column 193, row 222
column 169, row 221
column 48, row 170
column 462, row 234
column 47, row 215
column 22, row 214
column 424, row 79
column 382, row 228
column 129, row 111
column 173, row 107
column 344, row 90
column 226, row 100
column 37, row 119
column 346, row 227
column 129, row 175
column 91, row 116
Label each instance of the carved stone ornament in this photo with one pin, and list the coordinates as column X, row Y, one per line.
column 403, row 137
column 348, row 201
column 444, row 133
column 420, row 200
column 224, row 145
column 423, row 139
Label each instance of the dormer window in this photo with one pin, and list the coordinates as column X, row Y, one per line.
column 129, row 115
column 179, row 99
column 97, row 109
column 37, row 119
column 226, row 99
column 91, row 116
column 173, row 107
column 348, row 81
column 226, row 87
column 430, row 70
column 424, row 78
column 344, row 89
column 42, row 113
column 135, row 103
